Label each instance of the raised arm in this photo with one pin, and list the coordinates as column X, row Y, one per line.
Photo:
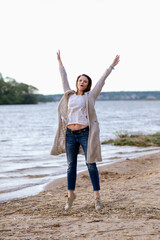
column 63, row 73
column 99, row 85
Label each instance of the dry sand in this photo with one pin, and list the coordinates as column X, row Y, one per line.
column 131, row 207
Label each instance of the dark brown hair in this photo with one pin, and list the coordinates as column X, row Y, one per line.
column 89, row 82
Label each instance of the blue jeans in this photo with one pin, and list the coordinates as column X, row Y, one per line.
column 73, row 140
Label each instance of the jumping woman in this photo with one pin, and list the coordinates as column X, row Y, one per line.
column 78, row 129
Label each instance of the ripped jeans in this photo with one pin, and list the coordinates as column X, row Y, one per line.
column 73, row 140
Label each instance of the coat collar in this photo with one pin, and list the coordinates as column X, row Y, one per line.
column 68, row 92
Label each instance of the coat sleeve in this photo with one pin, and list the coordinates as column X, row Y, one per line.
column 64, row 78
column 99, row 85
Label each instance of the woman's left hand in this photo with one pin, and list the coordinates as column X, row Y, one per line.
column 116, row 61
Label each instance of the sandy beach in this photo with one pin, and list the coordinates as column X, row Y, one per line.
column 130, row 191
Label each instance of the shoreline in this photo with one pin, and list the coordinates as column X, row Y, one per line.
column 62, row 180
column 130, row 190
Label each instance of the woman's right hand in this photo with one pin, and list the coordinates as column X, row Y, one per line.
column 59, row 58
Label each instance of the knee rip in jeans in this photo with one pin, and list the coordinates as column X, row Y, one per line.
column 72, row 166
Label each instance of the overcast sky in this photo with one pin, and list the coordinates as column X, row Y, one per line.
column 89, row 34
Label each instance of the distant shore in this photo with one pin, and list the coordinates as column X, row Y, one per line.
column 117, row 96
column 35, row 98
column 130, row 193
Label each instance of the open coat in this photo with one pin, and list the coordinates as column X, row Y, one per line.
column 94, row 145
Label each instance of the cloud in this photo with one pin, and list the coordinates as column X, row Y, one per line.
column 89, row 34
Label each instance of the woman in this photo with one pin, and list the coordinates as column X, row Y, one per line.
column 78, row 129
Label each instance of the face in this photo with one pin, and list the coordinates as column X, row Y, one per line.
column 82, row 83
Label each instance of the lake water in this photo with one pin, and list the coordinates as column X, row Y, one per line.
column 27, row 133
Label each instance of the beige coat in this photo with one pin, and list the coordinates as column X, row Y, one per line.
column 94, row 146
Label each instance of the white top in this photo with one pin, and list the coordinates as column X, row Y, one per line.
column 77, row 113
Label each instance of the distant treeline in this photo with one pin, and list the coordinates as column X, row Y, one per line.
column 115, row 96
column 127, row 95
column 12, row 92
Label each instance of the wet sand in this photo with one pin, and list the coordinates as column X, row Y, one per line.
column 130, row 191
